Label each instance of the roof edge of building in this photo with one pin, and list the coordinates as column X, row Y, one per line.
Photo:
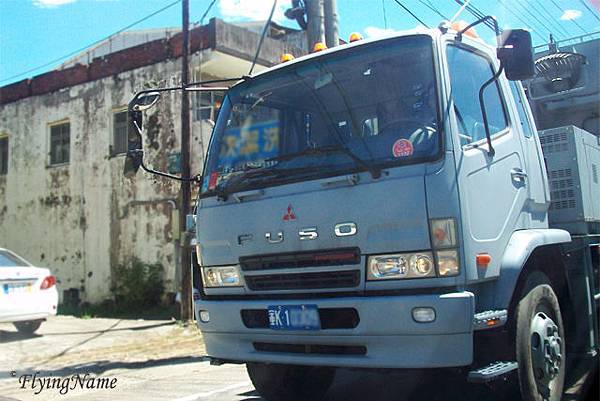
column 201, row 38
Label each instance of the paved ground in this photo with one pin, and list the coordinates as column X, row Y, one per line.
column 160, row 360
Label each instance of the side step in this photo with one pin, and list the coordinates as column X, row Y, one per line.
column 489, row 319
column 491, row 372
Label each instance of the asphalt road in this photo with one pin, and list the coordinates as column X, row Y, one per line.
column 160, row 360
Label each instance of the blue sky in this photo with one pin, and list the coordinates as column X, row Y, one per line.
column 35, row 32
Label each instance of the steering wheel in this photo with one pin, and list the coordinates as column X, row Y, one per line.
column 401, row 123
column 422, row 134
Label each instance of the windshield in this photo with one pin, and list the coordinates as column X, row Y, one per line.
column 343, row 112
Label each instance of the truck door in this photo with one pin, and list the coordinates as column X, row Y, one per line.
column 492, row 188
column 538, row 195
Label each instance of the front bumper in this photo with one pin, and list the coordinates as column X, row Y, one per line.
column 387, row 331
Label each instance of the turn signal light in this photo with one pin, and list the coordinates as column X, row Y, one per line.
column 483, row 259
column 319, row 46
column 354, row 36
column 48, row 282
column 286, row 57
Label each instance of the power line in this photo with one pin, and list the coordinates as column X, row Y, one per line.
column 476, row 13
column 549, row 30
column 91, row 44
column 411, row 13
column 433, row 8
column 262, row 36
column 572, row 20
column 589, row 9
column 549, row 18
column 201, row 20
column 384, row 14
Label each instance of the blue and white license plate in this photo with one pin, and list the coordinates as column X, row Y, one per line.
column 294, row 317
column 16, row 288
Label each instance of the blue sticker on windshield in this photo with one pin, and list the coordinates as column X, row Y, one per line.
column 249, row 144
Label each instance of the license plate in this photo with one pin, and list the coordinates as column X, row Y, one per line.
column 294, row 317
column 16, row 288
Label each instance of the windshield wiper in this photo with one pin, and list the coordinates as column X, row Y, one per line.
column 323, row 150
column 238, row 182
column 370, row 167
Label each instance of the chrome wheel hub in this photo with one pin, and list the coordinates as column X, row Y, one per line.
column 546, row 355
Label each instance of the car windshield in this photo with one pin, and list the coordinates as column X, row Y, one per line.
column 346, row 111
column 8, row 259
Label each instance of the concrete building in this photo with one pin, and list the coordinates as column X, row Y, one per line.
column 64, row 202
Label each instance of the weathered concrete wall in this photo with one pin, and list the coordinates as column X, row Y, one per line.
column 84, row 218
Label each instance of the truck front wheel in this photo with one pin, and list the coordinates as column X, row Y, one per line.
column 290, row 383
column 540, row 345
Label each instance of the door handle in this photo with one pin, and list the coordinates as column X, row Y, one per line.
column 518, row 174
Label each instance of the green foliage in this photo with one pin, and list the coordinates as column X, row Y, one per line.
column 138, row 285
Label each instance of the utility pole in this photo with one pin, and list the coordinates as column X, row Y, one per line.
column 315, row 30
column 331, row 23
column 185, row 193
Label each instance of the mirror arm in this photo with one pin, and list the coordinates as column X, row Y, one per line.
column 491, row 150
column 134, row 153
column 485, row 19
column 140, row 153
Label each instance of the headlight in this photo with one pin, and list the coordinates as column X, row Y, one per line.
column 409, row 265
column 421, row 265
column 221, row 276
column 447, row 262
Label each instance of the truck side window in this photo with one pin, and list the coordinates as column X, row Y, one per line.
column 519, row 99
column 468, row 71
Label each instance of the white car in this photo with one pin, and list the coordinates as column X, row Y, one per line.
column 28, row 294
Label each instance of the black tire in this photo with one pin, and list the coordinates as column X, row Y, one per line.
column 539, row 303
column 28, row 327
column 290, row 383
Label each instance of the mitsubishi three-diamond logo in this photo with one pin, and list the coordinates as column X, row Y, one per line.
column 289, row 215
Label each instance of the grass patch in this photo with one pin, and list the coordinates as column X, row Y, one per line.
column 110, row 310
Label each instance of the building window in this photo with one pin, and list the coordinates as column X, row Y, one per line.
column 59, row 143
column 3, row 155
column 120, row 128
column 207, row 105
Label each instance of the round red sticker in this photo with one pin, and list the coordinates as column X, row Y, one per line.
column 402, row 148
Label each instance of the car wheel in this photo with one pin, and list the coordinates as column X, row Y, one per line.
column 28, row 327
column 290, row 383
column 540, row 345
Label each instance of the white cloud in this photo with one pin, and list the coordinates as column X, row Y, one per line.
column 252, row 10
column 51, row 3
column 376, row 32
column 570, row 15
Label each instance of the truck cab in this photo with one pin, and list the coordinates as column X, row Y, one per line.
column 380, row 205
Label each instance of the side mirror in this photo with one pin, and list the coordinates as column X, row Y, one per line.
column 516, row 54
column 135, row 152
column 144, row 101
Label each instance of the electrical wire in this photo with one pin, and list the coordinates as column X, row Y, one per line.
column 544, row 13
column 384, row 14
column 573, row 21
column 56, row 60
column 589, row 9
column 201, row 20
column 530, row 14
column 411, row 13
column 262, row 36
column 433, row 8
column 476, row 13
